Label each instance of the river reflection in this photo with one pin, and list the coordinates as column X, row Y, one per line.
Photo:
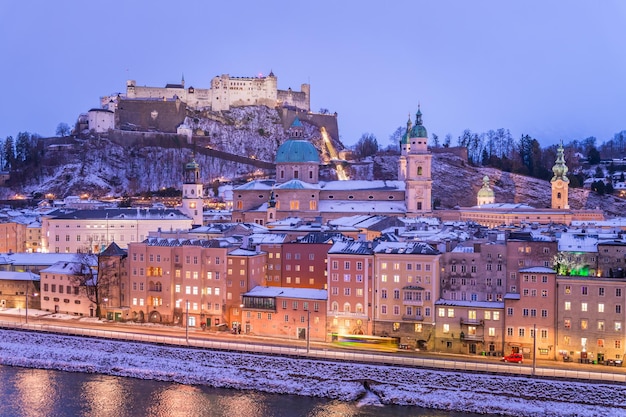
column 36, row 393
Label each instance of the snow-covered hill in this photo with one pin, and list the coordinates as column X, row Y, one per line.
column 121, row 165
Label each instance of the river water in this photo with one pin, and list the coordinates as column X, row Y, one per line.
column 35, row 393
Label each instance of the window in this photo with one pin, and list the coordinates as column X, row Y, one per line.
column 583, row 306
column 446, row 328
column 601, row 291
column 618, row 326
column 601, row 308
column 383, row 293
column 441, row 312
column 618, row 292
column 601, row 325
column 509, row 311
column 521, row 331
column 584, row 324
column 450, row 312
column 567, row 323
column 584, row 290
column 509, row 331
column 568, row 305
column 492, row 331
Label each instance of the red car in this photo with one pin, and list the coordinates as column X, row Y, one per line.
column 513, row 357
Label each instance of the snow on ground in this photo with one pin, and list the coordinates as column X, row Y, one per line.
column 364, row 384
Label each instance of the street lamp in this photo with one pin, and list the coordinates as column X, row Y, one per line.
column 308, row 330
column 105, row 300
column 34, row 294
column 187, row 321
column 534, row 347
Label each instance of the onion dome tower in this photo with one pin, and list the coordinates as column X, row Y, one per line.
column 560, row 182
column 486, row 194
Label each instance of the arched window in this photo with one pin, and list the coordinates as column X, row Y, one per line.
column 419, row 170
column 335, row 306
column 359, row 308
column 239, row 205
column 346, row 308
column 558, row 195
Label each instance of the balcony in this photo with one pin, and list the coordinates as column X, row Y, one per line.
column 412, row 318
column 472, row 322
column 412, row 303
column 472, row 337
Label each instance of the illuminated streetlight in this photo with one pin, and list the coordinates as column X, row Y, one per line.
column 187, row 321
column 35, row 295
column 308, row 330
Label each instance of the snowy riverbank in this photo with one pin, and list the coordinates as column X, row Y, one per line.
column 367, row 384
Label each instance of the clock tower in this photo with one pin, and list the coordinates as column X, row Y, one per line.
column 193, row 192
column 560, row 182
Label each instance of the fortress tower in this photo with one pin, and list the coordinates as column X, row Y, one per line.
column 560, row 182
column 192, row 192
column 418, row 193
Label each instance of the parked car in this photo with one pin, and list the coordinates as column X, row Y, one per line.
column 513, row 357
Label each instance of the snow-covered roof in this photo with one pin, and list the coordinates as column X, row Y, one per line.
column 410, row 248
column 267, row 238
column 256, row 185
column 570, row 242
column 288, row 292
column 297, row 185
column 18, row 276
column 347, row 206
column 67, row 268
column 36, row 259
column 243, row 252
column 538, row 270
column 352, row 248
column 377, row 185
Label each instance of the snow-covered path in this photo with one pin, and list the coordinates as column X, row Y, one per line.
column 371, row 384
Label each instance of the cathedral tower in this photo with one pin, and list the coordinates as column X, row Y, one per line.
column 418, row 188
column 560, row 182
column 193, row 192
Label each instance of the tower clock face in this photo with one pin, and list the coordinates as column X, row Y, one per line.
column 558, row 184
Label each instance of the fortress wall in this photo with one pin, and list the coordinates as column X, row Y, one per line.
column 150, row 115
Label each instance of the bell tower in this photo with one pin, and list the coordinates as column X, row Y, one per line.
column 560, row 182
column 193, row 192
column 419, row 184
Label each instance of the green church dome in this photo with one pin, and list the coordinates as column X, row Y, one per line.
column 297, row 150
column 418, row 131
column 485, row 191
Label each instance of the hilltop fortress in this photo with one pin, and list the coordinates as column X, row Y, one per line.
column 225, row 92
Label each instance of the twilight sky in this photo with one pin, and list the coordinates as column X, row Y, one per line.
column 551, row 69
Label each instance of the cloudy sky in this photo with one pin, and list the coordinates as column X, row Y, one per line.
column 553, row 70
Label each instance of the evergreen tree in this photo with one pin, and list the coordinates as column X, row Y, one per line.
column 9, row 153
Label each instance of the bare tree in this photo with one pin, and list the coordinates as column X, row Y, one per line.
column 63, row 129
column 99, row 275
